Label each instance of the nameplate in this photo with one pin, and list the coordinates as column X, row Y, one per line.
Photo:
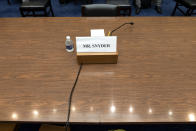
column 96, row 44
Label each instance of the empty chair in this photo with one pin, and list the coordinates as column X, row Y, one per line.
column 123, row 5
column 189, row 4
column 100, row 10
column 30, row 7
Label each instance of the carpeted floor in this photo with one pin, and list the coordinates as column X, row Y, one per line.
column 74, row 10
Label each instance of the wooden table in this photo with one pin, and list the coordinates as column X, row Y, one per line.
column 154, row 80
column 36, row 72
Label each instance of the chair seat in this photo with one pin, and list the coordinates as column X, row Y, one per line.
column 32, row 7
column 34, row 4
column 188, row 3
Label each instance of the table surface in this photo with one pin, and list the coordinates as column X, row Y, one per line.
column 154, row 80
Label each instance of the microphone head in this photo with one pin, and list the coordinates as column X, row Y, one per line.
column 131, row 23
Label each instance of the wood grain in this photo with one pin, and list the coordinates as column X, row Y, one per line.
column 97, row 58
column 36, row 72
column 154, row 80
column 156, row 70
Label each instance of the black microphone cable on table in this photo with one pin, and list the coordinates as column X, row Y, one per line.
column 76, row 80
column 70, row 98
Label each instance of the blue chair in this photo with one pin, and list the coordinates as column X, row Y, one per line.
column 189, row 4
column 33, row 6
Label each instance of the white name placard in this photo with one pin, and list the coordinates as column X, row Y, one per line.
column 97, row 32
column 96, row 44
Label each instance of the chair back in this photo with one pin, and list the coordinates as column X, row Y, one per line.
column 33, row 1
column 100, row 10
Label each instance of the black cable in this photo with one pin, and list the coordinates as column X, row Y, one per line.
column 131, row 23
column 76, row 80
column 70, row 98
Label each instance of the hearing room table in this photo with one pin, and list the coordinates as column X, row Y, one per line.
column 153, row 81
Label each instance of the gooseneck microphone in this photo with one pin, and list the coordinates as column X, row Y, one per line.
column 110, row 33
